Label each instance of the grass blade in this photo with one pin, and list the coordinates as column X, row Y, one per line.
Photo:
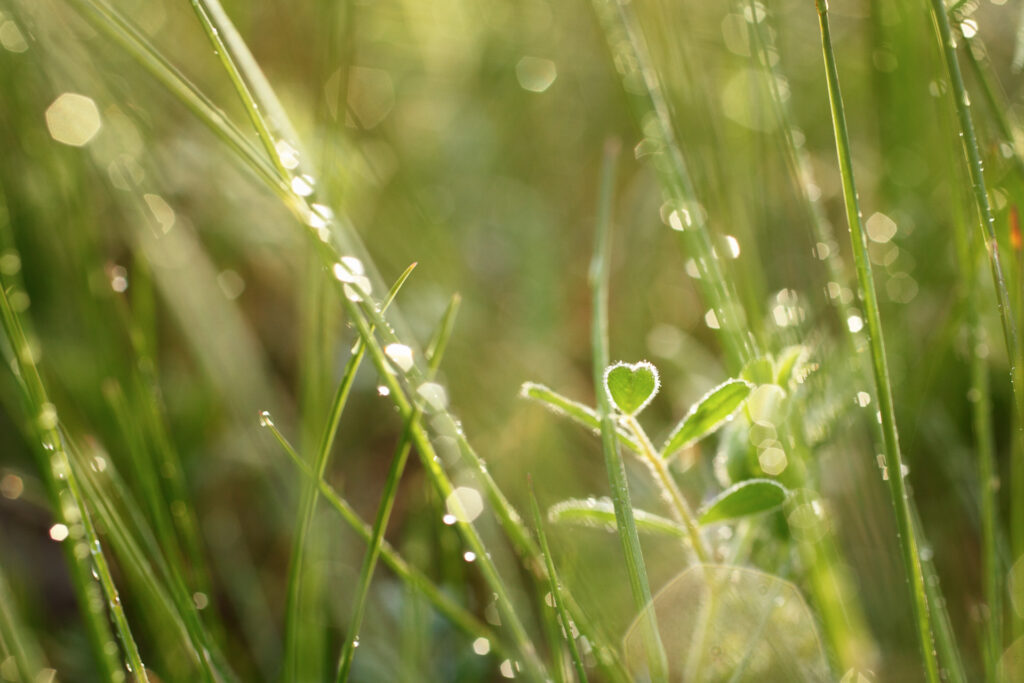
column 411, row 576
column 555, row 587
column 883, row 387
column 62, row 482
column 308, row 502
column 625, row 519
column 749, row 497
column 387, row 502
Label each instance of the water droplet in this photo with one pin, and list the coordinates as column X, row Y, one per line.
column 969, row 27
column 464, row 504
column 59, row 532
column 47, row 419
column 481, row 646
column 506, row 669
column 265, row 420
column 400, row 355
column 863, row 399
column 287, row 154
column 469, row 556
column 383, row 391
column 855, row 323
column 448, row 519
column 536, row 74
column 434, row 394
column 302, row 185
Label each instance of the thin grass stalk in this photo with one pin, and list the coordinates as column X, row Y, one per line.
column 307, row 506
column 63, row 484
column 140, row 553
column 798, row 161
column 431, row 461
column 555, row 588
column 986, row 218
column 984, row 440
column 15, row 638
column 87, row 592
column 883, row 387
column 628, row 535
column 625, row 39
column 387, row 501
column 407, row 573
column 123, row 33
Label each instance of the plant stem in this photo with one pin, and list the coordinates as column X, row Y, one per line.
column 669, row 489
column 893, row 460
column 599, row 276
column 986, row 218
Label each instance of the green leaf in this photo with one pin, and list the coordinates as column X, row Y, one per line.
column 631, row 386
column 707, row 415
column 750, row 497
column 599, row 513
column 574, row 410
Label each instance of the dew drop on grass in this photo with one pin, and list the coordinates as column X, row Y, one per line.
column 287, row 154
column 265, row 420
column 506, row 669
column 855, row 323
column 59, row 532
column 469, row 556
column 302, row 185
column 383, row 391
column 969, row 27
column 400, row 355
column 481, row 646
column 449, row 519
column 434, row 394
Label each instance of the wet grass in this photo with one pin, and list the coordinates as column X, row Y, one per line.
column 639, row 205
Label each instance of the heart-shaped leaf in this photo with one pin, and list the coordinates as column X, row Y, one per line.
column 707, row 415
column 749, row 497
column 631, row 386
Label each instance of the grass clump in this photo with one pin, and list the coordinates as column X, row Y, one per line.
column 203, row 205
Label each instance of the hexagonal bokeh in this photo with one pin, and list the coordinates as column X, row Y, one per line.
column 73, row 119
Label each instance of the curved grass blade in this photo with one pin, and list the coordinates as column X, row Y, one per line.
column 750, row 497
column 387, row 502
column 307, row 508
column 555, row 587
column 62, row 482
column 883, row 387
column 707, row 415
column 600, row 514
column 406, row 572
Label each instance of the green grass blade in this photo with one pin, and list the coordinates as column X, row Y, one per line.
column 16, row 638
column 574, row 410
column 115, row 26
column 63, row 484
column 407, row 573
column 625, row 38
column 555, row 587
column 883, row 387
column 625, row 519
column 307, row 506
column 394, row 476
